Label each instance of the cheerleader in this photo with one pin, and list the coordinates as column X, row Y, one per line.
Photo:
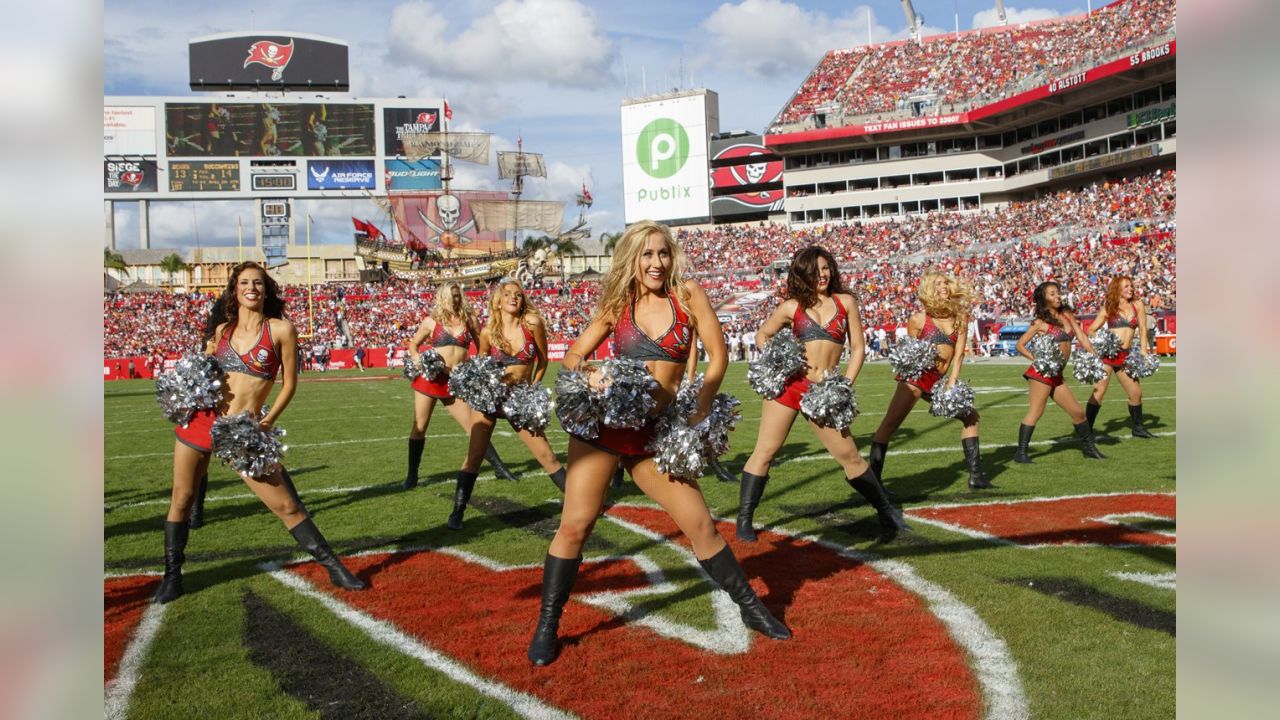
column 1126, row 316
column 1056, row 319
column 515, row 337
column 947, row 302
column 825, row 318
column 451, row 328
column 250, row 315
column 652, row 312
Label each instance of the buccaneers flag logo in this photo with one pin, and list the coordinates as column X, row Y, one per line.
column 273, row 55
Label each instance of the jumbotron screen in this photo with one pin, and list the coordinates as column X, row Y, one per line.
column 269, row 129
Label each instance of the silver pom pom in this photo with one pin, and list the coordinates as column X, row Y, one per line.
column 628, row 401
column 1106, row 343
column 683, row 451
column 430, row 365
column 953, row 402
column 528, row 407
column 578, row 407
column 1139, row 366
column 831, row 402
column 410, row 369
column 911, row 357
column 781, row 358
column 478, row 383
column 1087, row 367
column 195, row 383
column 1048, row 360
column 239, row 441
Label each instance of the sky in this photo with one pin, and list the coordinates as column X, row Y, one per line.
column 552, row 72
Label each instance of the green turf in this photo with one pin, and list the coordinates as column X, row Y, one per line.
column 347, row 454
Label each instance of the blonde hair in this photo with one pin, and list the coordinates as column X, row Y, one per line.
column 442, row 311
column 620, row 283
column 524, row 314
column 958, row 303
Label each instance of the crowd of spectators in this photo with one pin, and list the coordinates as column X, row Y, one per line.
column 1079, row 237
column 973, row 68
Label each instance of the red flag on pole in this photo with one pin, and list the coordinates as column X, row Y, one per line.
column 374, row 232
column 448, row 111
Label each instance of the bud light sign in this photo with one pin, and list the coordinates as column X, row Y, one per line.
column 340, row 175
column 126, row 176
column 405, row 175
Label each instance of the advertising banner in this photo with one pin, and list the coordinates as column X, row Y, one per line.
column 340, row 175
column 128, row 131
column 746, row 203
column 664, row 159
column 238, row 61
column 397, row 121
column 123, row 176
column 268, row 129
column 402, row 175
column 445, row 224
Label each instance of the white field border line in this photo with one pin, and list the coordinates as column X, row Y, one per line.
column 1114, row 519
column 389, row 635
column 119, row 576
column 326, row 443
column 120, row 689
column 995, row 668
column 995, row 539
column 1162, row 581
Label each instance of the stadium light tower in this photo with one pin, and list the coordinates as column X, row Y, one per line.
column 914, row 21
column 1004, row 19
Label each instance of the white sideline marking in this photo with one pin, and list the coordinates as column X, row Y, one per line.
column 387, row 634
column 121, row 687
column 1163, row 581
column 246, row 495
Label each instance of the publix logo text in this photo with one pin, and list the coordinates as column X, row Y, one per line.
column 661, row 151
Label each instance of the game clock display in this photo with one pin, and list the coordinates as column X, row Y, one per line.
column 204, row 176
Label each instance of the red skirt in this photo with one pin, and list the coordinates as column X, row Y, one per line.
column 793, row 391
column 1116, row 362
column 925, row 382
column 438, row 388
column 1053, row 381
column 198, row 432
column 626, row 442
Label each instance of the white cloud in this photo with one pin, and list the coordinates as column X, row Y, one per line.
column 769, row 38
column 552, row 41
column 990, row 17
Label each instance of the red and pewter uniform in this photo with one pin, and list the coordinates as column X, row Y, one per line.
column 261, row 361
column 930, row 332
column 527, row 354
column 806, row 330
column 1118, row 321
column 440, row 337
column 674, row 345
column 1060, row 334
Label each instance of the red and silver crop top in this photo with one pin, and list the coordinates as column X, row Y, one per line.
column 1118, row 321
column 806, row 328
column 527, row 354
column 934, row 334
column 440, row 337
column 671, row 346
column 1058, row 332
column 260, row 360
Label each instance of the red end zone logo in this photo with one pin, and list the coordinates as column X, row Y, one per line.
column 272, row 55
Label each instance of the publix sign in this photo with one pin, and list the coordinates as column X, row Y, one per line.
column 665, row 159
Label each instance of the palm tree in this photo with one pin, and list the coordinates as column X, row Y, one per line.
column 532, row 244
column 567, row 246
column 610, row 241
column 172, row 263
column 112, row 260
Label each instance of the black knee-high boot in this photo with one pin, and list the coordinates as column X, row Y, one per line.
column 196, row 520
column 876, row 459
column 499, row 468
column 416, row 445
column 972, row 457
column 461, row 496
column 749, row 493
column 558, row 576
column 557, row 477
column 310, row 539
column 724, row 569
column 720, row 471
column 1086, row 442
column 175, row 546
column 1139, row 429
column 618, row 476
column 1091, row 413
column 1024, row 440
column 890, row 517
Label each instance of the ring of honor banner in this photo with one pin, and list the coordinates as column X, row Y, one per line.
column 469, row 147
column 445, row 223
column 268, row 129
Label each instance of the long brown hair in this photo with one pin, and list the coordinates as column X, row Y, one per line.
column 1111, row 305
column 227, row 307
column 802, row 277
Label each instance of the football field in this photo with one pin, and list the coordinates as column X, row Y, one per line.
column 1050, row 596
